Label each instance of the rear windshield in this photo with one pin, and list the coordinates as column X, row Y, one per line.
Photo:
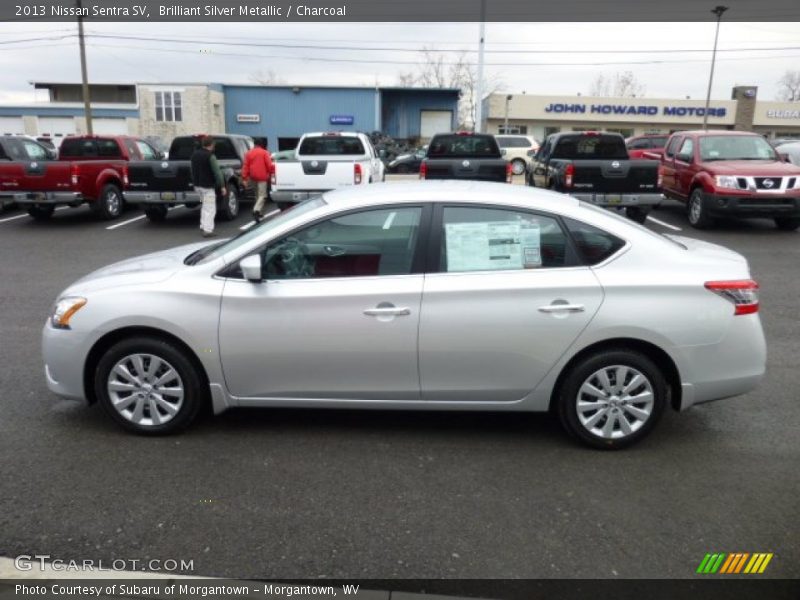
column 183, row 147
column 658, row 142
column 89, row 148
column 591, row 147
column 331, row 145
column 463, row 146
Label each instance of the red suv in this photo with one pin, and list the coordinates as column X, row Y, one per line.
column 730, row 174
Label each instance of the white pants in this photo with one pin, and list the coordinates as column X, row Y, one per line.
column 208, row 208
column 261, row 196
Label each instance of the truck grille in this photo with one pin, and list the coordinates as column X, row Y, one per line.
column 768, row 183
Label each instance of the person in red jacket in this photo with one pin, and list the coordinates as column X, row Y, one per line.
column 258, row 168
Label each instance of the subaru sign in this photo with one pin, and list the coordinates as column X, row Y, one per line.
column 342, row 119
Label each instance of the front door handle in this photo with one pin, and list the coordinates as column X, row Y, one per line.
column 387, row 311
column 572, row 308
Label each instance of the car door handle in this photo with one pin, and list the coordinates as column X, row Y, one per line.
column 573, row 308
column 387, row 311
column 334, row 250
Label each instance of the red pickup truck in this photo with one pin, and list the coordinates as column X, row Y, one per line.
column 730, row 174
column 650, row 145
column 89, row 169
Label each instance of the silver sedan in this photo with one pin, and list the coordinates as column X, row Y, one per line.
column 424, row 296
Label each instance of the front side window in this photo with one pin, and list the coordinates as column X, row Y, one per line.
column 672, row 147
column 34, row 151
column 489, row 239
column 361, row 244
column 146, row 151
column 687, row 150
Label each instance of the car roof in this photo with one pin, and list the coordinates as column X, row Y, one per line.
column 327, row 133
column 716, row 132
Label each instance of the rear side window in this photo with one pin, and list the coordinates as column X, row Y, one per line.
column 658, row 142
column 463, row 146
column 90, row 148
column 594, row 245
column 224, row 149
column 13, row 150
column 331, row 145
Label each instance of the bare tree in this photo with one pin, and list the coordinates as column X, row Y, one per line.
column 266, row 77
column 623, row 84
column 789, row 87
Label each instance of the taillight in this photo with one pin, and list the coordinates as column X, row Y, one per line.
column 569, row 172
column 73, row 171
column 356, row 173
column 743, row 294
column 660, row 176
column 423, row 170
column 273, row 178
column 125, row 175
column 509, row 172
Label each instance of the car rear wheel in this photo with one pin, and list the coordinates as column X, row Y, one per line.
column 230, row 204
column 517, row 166
column 148, row 386
column 612, row 399
column 787, row 223
column 110, row 203
column 697, row 213
column 156, row 213
column 637, row 213
column 41, row 212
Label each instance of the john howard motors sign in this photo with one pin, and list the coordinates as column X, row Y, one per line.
column 635, row 109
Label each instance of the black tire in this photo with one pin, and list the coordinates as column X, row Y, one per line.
column 787, row 223
column 228, row 208
column 637, row 213
column 284, row 205
column 195, row 393
column 41, row 212
column 518, row 164
column 156, row 213
column 569, row 395
column 110, row 204
column 696, row 211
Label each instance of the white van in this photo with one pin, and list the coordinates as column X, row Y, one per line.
column 516, row 150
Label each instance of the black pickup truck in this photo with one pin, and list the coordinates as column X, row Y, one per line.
column 465, row 156
column 156, row 185
column 595, row 167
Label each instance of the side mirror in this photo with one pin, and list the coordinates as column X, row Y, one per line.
column 503, row 151
column 251, row 268
column 784, row 157
column 160, row 155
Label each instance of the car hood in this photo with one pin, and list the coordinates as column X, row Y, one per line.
column 766, row 168
column 707, row 250
column 148, row 268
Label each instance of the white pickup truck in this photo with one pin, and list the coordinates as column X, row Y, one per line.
column 323, row 162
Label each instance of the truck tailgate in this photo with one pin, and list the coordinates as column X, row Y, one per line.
column 477, row 169
column 35, row 176
column 313, row 175
column 160, row 176
column 615, row 176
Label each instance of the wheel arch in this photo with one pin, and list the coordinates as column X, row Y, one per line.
column 109, row 339
column 653, row 352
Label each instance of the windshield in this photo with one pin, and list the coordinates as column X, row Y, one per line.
column 214, row 251
column 735, row 147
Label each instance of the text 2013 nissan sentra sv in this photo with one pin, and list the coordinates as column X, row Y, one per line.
column 430, row 295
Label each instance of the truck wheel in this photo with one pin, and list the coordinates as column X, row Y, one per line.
column 517, row 166
column 110, row 203
column 637, row 213
column 41, row 212
column 229, row 208
column 284, row 205
column 698, row 217
column 402, row 169
column 787, row 223
column 156, row 213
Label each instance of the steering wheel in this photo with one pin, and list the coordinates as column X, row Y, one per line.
column 291, row 260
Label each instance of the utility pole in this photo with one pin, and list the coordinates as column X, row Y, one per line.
column 505, row 124
column 717, row 11
column 479, row 83
column 87, row 105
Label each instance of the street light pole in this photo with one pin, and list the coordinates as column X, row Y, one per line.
column 717, row 11
column 505, row 124
column 87, row 105
column 479, row 83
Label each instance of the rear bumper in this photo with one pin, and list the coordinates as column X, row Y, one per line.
column 761, row 205
column 134, row 197
column 292, row 196
column 619, row 199
column 28, row 198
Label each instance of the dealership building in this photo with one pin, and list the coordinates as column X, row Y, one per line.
column 539, row 116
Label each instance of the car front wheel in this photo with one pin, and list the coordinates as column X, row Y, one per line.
column 787, row 223
column 148, row 386
column 698, row 215
column 41, row 212
column 612, row 399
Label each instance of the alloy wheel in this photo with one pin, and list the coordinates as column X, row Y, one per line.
column 145, row 389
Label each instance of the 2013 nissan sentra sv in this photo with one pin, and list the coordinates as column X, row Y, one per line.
column 429, row 295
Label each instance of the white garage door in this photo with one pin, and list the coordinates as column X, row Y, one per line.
column 110, row 126
column 11, row 125
column 435, row 121
column 56, row 127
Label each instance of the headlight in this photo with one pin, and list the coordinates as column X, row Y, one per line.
column 64, row 310
column 726, row 181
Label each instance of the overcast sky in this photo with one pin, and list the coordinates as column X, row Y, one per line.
column 561, row 68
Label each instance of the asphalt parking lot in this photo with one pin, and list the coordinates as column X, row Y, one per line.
column 293, row 493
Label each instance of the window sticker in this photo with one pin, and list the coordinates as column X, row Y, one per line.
column 491, row 246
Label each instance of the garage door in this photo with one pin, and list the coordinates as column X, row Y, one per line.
column 435, row 121
column 56, row 127
column 11, row 125
column 110, row 126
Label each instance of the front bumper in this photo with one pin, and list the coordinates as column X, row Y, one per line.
column 63, row 352
column 614, row 200
column 292, row 196
column 30, row 198
column 756, row 205
column 134, row 197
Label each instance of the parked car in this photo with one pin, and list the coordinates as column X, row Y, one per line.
column 157, row 184
column 595, row 167
column 518, row 151
column 423, row 296
column 465, row 155
column 90, row 170
column 791, row 152
column 730, row 174
column 18, row 148
column 650, row 145
column 323, row 162
column 283, row 155
column 407, row 163
column 781, row 141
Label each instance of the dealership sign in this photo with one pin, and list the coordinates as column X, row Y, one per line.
column 342, row 119
column 248, row 118
column 783, row 114
column 635, row 109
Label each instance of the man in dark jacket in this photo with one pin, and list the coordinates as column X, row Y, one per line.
column 207, row 178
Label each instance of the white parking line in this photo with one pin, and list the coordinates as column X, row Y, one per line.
column 251, row 223
column 663, row 224
column 139, row 218
column 23, row 215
